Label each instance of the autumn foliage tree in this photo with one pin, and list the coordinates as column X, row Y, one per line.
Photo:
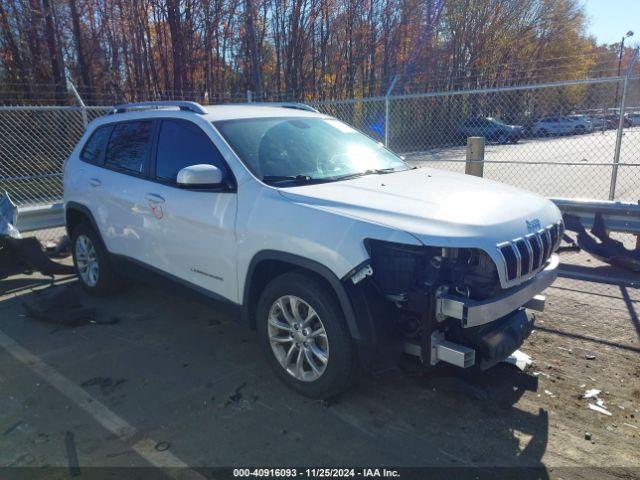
column 216, row 50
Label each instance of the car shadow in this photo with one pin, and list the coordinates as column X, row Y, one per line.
column 444, row 418
column 480, row 410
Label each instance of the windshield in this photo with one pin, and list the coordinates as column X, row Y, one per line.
column 306, row 149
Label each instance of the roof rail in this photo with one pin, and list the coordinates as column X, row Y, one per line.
column 294, row 105
column 182, row 105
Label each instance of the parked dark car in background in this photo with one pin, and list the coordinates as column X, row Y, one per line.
column 491, row 129
column 614, row 119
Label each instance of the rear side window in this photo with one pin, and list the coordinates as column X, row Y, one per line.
column 92, row 151
column 129, row 146
column 182, row 144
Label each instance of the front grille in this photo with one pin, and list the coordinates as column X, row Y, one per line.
column 526, row 255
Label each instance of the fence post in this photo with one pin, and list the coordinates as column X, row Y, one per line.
column 386, row 110
column 475, row 156
column 623, row 105
column 83, row 107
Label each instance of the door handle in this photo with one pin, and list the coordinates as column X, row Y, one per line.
column 95, row 182
column 154, row 198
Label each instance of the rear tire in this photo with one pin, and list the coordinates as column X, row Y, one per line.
column 92, row 262
column 292, row 308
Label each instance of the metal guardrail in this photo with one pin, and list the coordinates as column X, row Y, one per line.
column 617, row 216
column 40, row 217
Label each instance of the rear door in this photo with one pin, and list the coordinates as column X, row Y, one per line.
column 123, row 214
column 85, row 184
column 193, row 236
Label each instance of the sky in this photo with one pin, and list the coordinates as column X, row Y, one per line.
column 609, row 20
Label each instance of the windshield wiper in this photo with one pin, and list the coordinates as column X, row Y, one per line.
column 288, row 178
column 305, row 179
column 379, row 171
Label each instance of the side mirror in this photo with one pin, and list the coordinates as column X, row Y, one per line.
column 199, row 176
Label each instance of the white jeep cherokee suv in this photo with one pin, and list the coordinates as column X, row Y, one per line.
column 334, row 249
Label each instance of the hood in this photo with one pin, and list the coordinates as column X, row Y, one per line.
column 439, row 208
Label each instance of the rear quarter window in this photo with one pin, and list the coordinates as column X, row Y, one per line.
column 93, row 148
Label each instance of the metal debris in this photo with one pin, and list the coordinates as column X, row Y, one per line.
column 600, row 245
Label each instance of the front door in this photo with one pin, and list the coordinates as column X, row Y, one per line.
column 194, row 235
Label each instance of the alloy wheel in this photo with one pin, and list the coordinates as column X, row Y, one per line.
column 298, row 338
column 87, row 261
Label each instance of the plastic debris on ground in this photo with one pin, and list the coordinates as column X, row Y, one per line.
column 599, row 409
column 8, row 217
column 593, row 394
column 519, row 359
column 62, row 306
column 22, row 255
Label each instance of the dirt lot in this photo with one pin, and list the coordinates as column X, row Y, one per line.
column 168, row 381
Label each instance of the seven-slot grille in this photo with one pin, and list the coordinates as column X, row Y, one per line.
column 524, row 256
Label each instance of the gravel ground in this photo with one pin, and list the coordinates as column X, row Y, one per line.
column 190, row 380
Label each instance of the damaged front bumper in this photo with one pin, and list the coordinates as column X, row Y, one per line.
column 482, row 346
column 473, row 313
column 489, row 330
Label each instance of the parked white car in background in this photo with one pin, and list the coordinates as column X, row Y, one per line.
column 634, row 118
column 329, row 245
column 573, row 124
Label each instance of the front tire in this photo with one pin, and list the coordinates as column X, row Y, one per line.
column 91, row 261
column 305, row 336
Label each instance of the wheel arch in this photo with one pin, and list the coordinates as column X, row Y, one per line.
column 76, row 213
column 267, row 264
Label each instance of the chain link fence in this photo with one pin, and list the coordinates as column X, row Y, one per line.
column 558, row 140
column 34, row 143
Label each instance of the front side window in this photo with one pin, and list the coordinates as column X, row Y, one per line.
column 182, row 144
column 92, row 151
column 129, row 146
column 311, row 148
